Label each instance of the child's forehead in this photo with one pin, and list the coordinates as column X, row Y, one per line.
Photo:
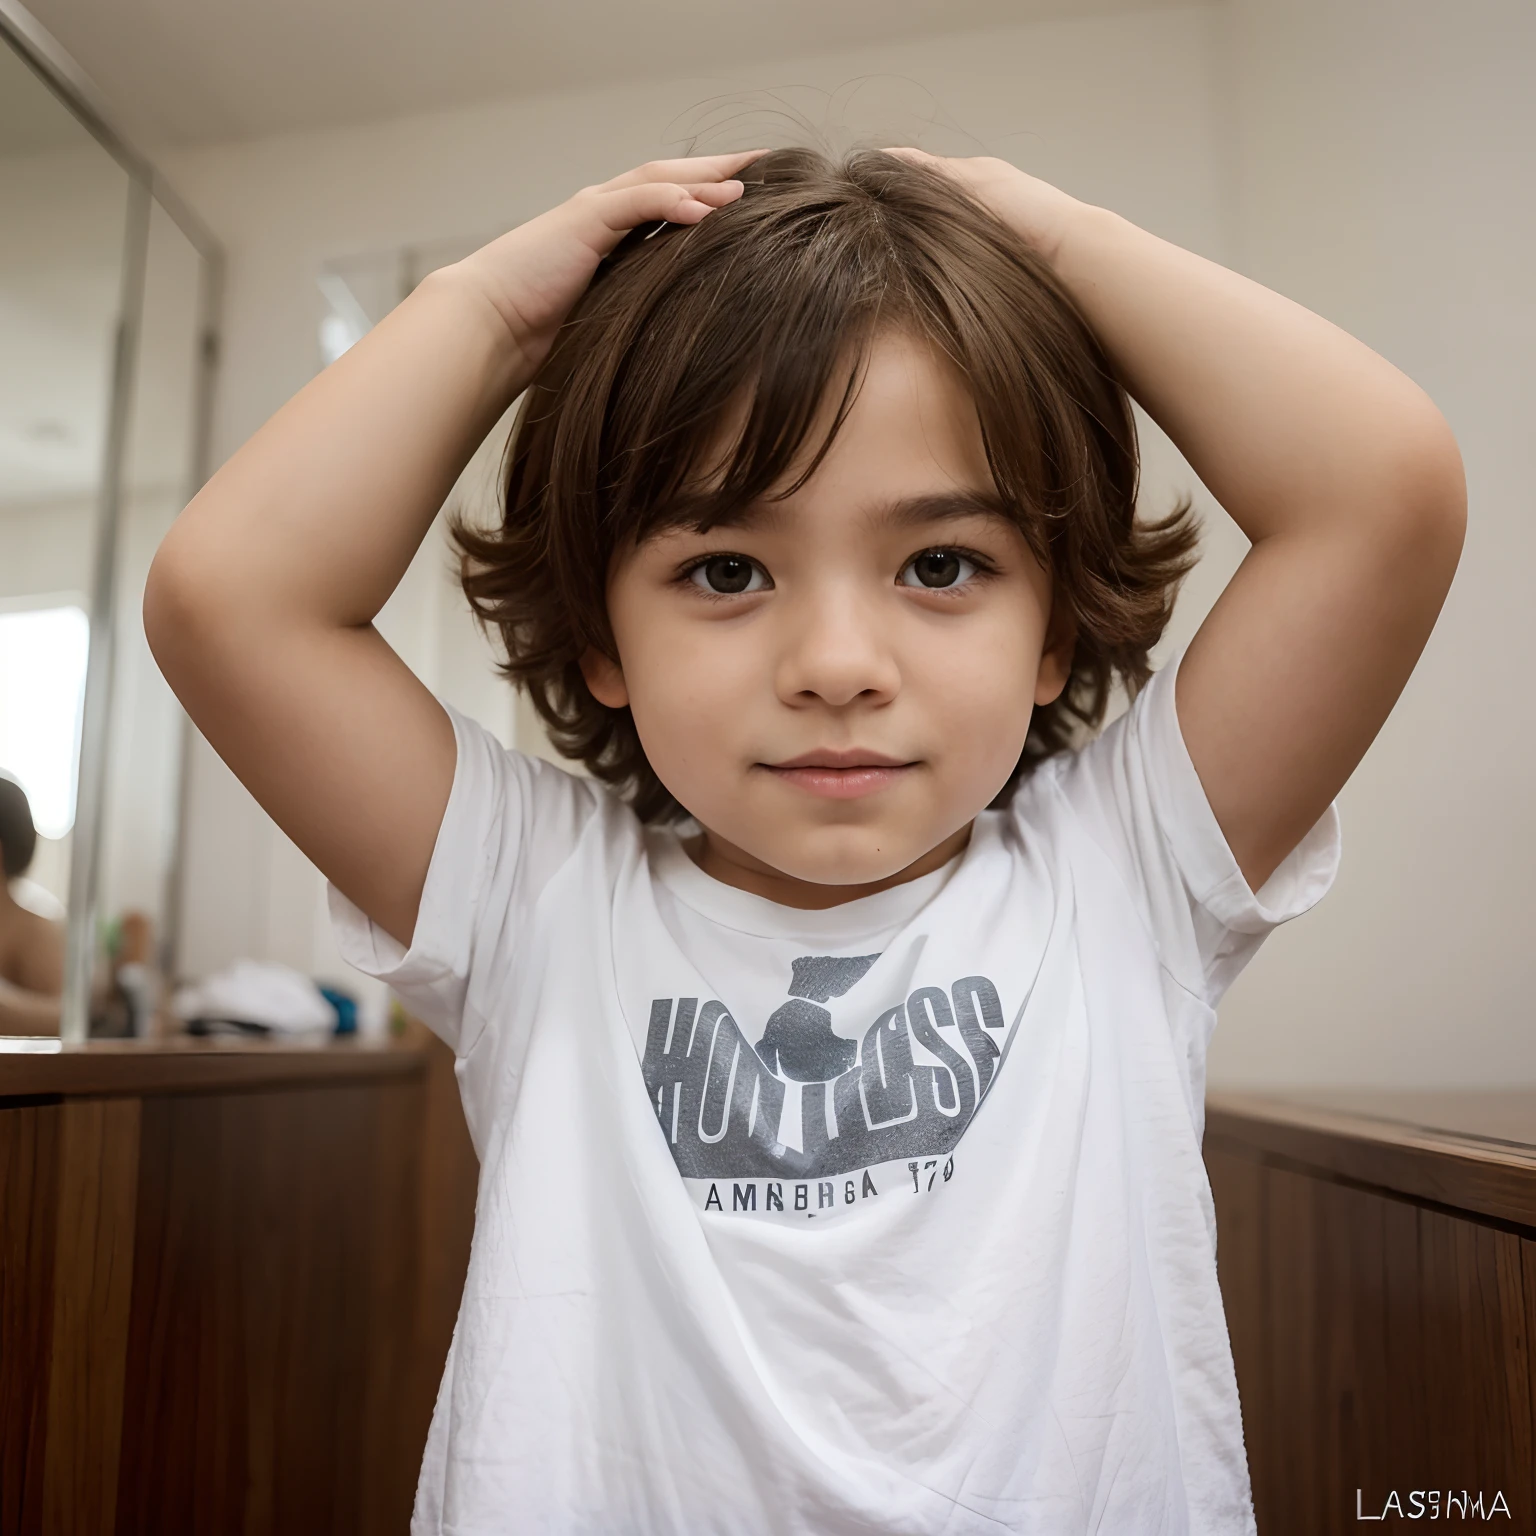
column 891, row 367
column 895, row 419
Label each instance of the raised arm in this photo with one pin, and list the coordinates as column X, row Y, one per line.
column 1346, row 479
column 1337, row 467
column 260, row 603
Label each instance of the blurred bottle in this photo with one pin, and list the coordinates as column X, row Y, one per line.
column 129, row 1003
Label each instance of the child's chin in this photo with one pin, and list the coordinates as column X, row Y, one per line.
column 843, row 857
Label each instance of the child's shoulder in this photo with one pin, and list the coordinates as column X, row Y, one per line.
column 1116, row 766
column 487, row 765
column 532, row 811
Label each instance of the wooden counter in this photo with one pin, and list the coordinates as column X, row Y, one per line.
column 228, row 1277
column 1377, row 1254
column 119, row 1068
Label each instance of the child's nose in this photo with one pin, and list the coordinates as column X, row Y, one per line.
column 835, row 650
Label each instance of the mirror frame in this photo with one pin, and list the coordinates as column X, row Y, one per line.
column 59, row 72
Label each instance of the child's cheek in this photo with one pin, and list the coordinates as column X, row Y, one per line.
column 694, row 704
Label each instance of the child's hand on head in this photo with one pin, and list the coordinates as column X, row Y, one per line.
column 534, row 274
column 1031, row 207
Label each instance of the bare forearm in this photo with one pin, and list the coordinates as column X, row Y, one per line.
column 318, row 515
column 1288, row 420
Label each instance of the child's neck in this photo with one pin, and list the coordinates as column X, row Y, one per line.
column 731, row 865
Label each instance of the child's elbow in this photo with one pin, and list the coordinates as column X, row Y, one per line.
column 174, row 607
column 1430, row 492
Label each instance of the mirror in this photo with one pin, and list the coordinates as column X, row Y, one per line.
column 63, row 224
column 136, row 893
column 106, row 293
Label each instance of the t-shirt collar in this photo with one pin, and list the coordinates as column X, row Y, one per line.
column 749, row 913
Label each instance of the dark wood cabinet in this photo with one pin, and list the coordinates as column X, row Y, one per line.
column 228, row 1279
column 1377, row 1254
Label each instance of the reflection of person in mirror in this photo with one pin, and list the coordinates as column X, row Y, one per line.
column 31, row 946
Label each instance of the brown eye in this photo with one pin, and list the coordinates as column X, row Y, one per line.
column 728, row 575
column 937, row 568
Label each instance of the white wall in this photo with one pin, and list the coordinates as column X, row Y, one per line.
column 1385, row 157
column 45, row 547
column 1371, row 158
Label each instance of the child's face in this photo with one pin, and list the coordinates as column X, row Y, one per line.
column 817, row 632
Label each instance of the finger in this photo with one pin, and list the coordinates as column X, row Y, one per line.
column 690, row 171
column 915, row 156
column 716, row 193
column 610, row 215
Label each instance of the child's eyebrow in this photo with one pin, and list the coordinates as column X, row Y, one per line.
column 907, row 512
column 942, row 505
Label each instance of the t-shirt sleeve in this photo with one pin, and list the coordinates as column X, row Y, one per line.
column 510, row 822
column 1139, row 796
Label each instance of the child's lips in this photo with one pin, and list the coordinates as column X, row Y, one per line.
column 842, row 783
column 845, row 775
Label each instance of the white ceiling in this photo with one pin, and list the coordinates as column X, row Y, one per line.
column 181, row 72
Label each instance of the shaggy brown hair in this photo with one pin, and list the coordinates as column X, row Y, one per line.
column 763, row 304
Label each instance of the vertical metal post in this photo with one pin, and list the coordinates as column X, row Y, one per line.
column 91, row 779
column 210, row 297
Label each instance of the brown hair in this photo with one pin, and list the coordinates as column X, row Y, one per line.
column 18, row 836
column 766, row 300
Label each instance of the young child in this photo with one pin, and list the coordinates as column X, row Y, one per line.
column 835, row 1052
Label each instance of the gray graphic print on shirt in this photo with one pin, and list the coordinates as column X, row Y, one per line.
column 807, row 1103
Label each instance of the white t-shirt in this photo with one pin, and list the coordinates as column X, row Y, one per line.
column 885, row 1219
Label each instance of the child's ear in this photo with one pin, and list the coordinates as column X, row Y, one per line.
column 604, row 678
column 1056, row 657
